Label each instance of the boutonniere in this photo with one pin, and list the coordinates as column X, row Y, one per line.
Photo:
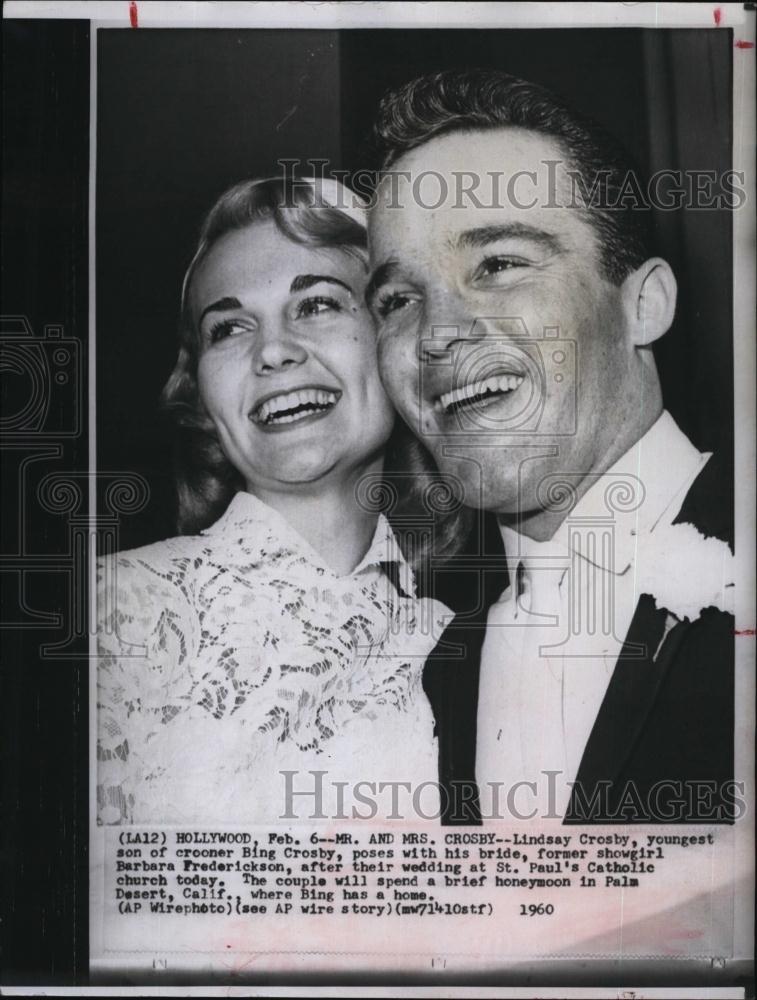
column 684, row 571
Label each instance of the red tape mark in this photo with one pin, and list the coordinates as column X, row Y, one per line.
column 743, row 45
column 133, row 14
column 717, row 14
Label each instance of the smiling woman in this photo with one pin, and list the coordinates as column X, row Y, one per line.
column 287, row 367
column 254, row 326
column 287, row 634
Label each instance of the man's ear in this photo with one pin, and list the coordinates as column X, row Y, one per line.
column 649, row 301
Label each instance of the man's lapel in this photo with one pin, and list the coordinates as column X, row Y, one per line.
column 630, row 696
column 636, row 680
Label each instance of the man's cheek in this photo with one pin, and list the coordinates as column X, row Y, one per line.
column 398, row 376
column 406, row 403
column 386, row 359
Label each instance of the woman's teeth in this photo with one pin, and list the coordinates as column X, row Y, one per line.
column 476, row 391
column 291, row 406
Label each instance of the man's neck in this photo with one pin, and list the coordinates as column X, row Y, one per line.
column 542, row 524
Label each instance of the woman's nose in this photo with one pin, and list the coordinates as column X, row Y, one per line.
column 277, row 349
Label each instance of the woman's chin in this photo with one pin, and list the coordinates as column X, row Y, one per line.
column 304, row 468
column 294, row 475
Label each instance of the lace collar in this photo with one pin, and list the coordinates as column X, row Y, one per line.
column 249, row 518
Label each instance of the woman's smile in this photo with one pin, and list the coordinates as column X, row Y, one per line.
column 285, row 409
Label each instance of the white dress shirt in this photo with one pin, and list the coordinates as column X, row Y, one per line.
column 554, row 636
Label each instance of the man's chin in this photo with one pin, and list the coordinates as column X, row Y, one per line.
column 476, row 488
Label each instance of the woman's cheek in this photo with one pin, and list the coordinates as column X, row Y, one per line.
column 215, row 384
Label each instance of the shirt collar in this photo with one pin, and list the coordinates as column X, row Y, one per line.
column 248, row 516
column 647, row 483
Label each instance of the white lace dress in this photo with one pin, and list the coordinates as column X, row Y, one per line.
column 228, row 657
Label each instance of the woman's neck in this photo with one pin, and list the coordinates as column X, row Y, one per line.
column 329, row 518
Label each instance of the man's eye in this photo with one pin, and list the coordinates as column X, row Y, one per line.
column 225, row 328
column 392, row 302
column 497, row 265
column 316, row 305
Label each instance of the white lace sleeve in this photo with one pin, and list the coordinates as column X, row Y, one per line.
column 146, row 634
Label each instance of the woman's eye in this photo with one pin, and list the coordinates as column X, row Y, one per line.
column 317, row 305
column 225, row 328
column 392, row 302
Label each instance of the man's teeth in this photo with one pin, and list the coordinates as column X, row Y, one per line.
column 290, row 406
column 477, row 390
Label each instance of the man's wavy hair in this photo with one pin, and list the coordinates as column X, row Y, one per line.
column 411, row 492
column 485, row 99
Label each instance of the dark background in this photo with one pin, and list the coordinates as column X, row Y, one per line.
column 182, row 115
column 43, row 701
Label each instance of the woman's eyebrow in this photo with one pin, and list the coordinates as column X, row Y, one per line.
column 221, row 305
column 299, row 284
column 303, row 281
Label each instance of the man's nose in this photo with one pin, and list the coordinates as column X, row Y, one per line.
column 449, row 321
column 277, row 348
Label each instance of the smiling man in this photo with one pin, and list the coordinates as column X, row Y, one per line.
column 517, row 299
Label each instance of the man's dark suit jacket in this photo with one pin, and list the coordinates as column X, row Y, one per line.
column 666, row 718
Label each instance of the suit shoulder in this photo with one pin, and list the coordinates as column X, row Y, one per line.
column 708, row 505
